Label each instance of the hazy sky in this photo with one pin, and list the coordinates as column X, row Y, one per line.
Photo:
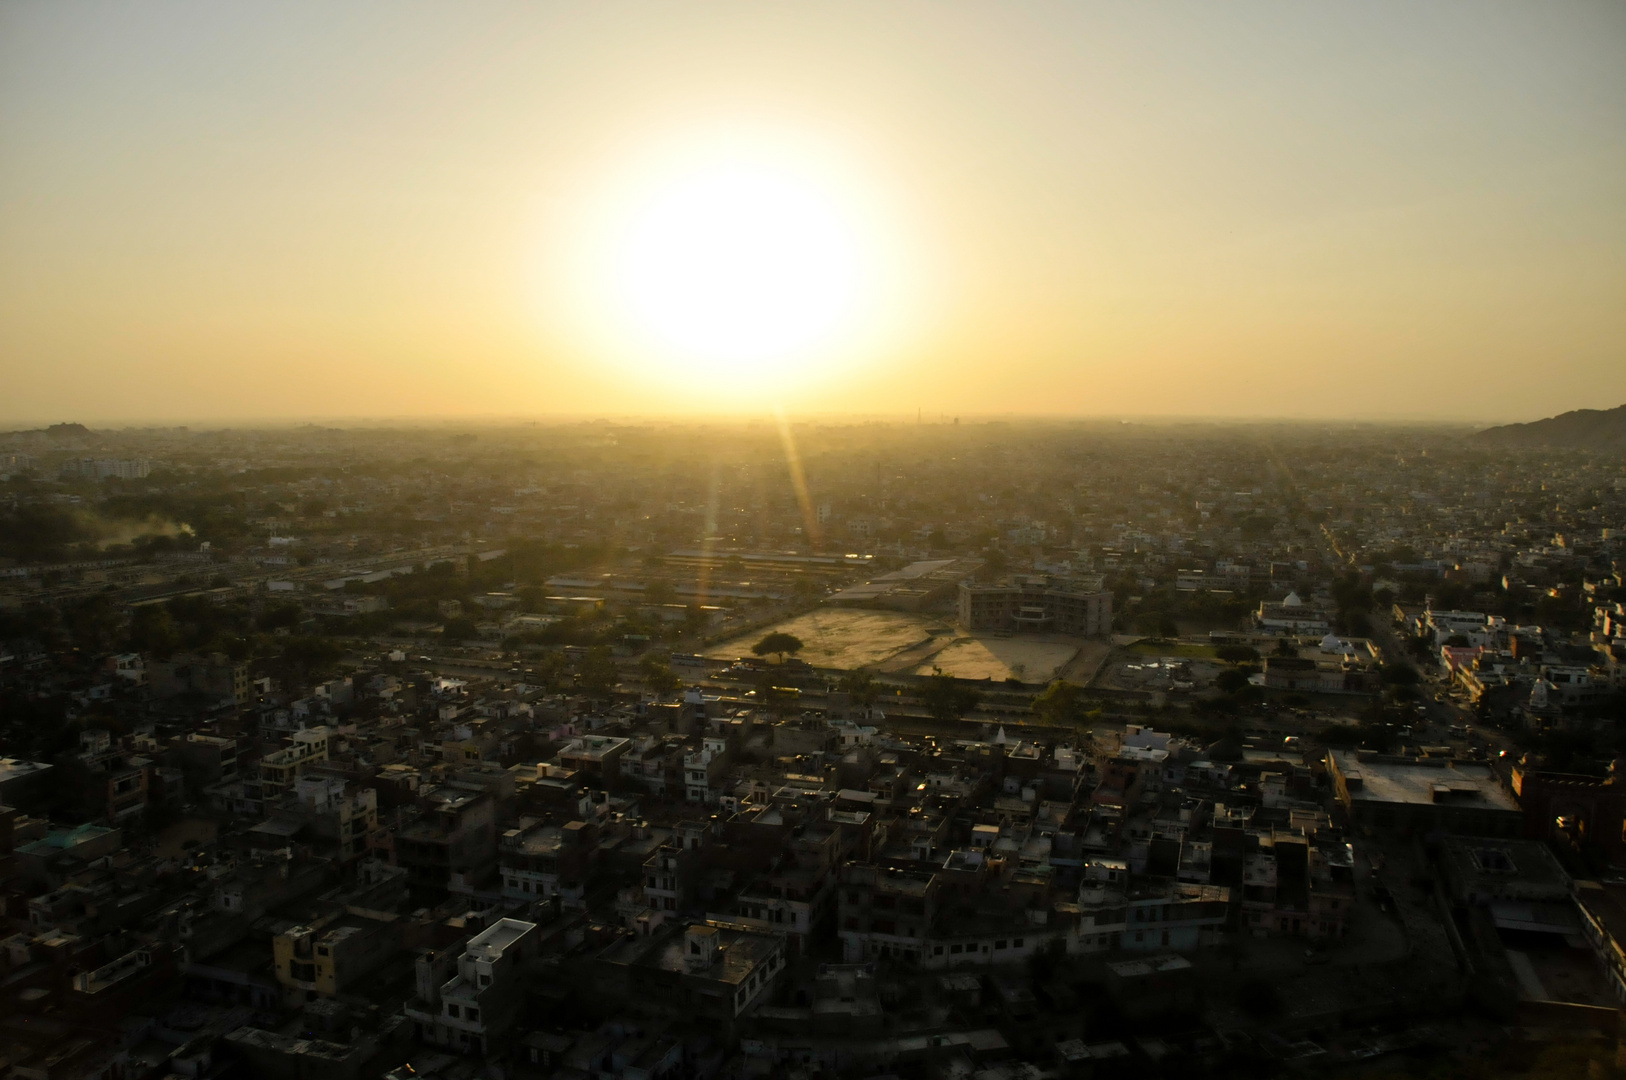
column 223, row 210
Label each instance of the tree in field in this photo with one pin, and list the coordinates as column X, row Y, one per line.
column 1237, row 654
column 946, row 699
column 778, row 644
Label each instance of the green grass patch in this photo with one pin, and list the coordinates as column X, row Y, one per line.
column 1181, row 649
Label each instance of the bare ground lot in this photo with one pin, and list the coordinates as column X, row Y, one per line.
column 899, row 643
column 1031, row 659
column 844, row 637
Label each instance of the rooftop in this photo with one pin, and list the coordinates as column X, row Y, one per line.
column 1377, row 778
column 500, row 935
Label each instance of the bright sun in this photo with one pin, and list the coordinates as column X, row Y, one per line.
column 736, row 266
column 739, row 270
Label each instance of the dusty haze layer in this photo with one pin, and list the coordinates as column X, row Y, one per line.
column 308, row 210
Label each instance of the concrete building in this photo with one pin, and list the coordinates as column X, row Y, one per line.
column 333, row 956
column 1037, row 603
column 920, row 586
column 1422, row 795
column 712, row 970
column 468, row 999
column 547, row 861
column 280, row 768
column 1291, row 615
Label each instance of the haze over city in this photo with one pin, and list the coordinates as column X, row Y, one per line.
column 276, row 212
column 884, row 541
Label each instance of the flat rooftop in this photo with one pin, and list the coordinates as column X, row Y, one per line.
column 1422, row 781
column 500, row 934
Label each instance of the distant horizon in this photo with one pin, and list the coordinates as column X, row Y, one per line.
column 1370, row 212
column 12, row 426
column 497, row 420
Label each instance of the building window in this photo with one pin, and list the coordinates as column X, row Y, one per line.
column 453, row 1011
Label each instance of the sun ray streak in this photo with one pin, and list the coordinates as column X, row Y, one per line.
column 798, row 479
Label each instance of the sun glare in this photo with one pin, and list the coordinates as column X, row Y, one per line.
column 738, row 268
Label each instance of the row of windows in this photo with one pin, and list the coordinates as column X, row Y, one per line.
column 1000, row 945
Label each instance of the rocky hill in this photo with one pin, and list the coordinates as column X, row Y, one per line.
column 1600, row 429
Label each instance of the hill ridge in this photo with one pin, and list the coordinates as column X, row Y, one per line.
column 1600, row 429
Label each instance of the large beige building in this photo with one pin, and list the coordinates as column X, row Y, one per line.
column 1037, row 603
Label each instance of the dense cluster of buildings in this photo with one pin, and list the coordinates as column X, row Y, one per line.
column 394, row 753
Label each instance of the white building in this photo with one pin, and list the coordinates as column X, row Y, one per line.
column 483, row 994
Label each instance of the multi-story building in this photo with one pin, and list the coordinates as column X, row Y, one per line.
column 705, row 771
column 596, row 758
column 333, row 813
column 452, row 836
column 1291, row 615
column 547, row 861
column 1151, row 915
column 885, row 911
column 467, row 999
column 280, row 768
column 121, row 779
column 1287, row 888
column 333, row 956
column 1037, row 603
column 205, row 759
column 215, row 676
column 711, row 970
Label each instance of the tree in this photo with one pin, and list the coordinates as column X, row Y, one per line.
column 153, row 630
column 658, row 674
column 778, row 644
column 695, row 620
column 311, row 655
column 462, row 628
column 1399, row 674
column 1060, row 703
column 660, row 592
column 597, row 672
column 946, row 699
column 1237, row 654
column 1285, row 647
column 860, row 687
column 1232, row 679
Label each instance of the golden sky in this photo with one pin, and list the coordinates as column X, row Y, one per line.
column 237, row 211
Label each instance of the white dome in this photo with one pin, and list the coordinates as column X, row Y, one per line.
column 1293, row 600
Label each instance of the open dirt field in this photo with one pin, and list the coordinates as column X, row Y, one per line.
column 1030, row 659
column 899, row 643
column 846, row 638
